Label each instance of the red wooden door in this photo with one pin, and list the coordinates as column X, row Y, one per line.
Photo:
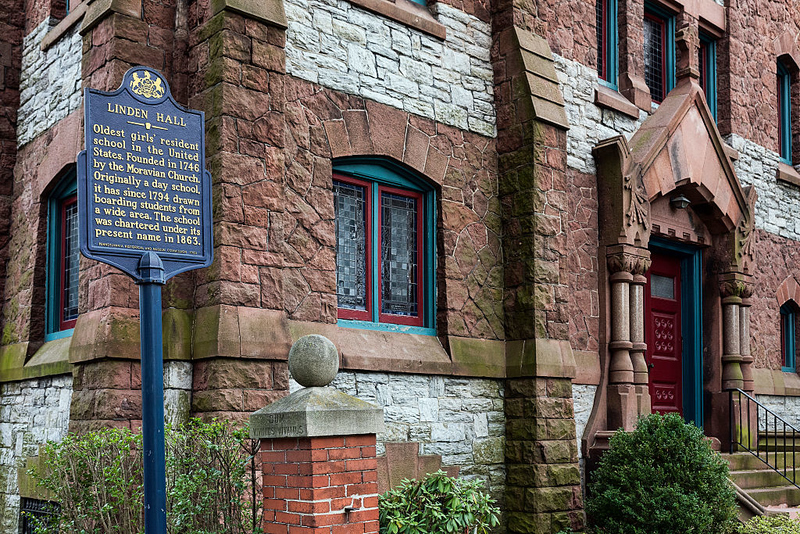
column 663, row 333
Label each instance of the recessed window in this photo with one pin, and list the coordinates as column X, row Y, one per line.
column 384, row 247
column 63, row 259
column 659, row 53
column 607, row 41
column 784, row 113
column 788, row 340
column 708, row 72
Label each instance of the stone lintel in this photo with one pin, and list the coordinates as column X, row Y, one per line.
column 97, row 10
column 547, row 358
column 608, row 98
column 237, row 331
column 776, row 382
column 788, row 174
column 316, row 412
column 267, row 11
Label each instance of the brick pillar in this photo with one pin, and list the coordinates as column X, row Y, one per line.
column 320, row 474
column 320, row 485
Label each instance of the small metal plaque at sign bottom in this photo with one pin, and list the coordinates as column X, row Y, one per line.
column 142, row 182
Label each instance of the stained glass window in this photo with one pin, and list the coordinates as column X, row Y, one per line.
column 399, row 236
column 380, row 251
column 654, row 56
column 69, row 263
column 351, row 245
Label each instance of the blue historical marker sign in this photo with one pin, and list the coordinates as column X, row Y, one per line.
column 144, row 206
column 142, row 183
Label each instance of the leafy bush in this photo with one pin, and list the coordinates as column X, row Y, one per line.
column 438, row 504
column 662, row 478
column 771, row 524
column 212, row 485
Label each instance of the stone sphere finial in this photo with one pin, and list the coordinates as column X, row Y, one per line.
column 313, row 361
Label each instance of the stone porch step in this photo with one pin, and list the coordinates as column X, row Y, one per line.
column 784, row 496
column 762, row 478
column 744, row 461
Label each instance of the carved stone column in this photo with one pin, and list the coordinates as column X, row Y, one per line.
column 732, row 288
column 628, row 394
column 744, row 343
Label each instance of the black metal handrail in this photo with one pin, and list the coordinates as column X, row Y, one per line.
column 743, row 439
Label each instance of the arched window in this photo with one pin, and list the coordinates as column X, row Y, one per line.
column 784, row 113
column 63, row 258
column 385, row 243
column 788, row 336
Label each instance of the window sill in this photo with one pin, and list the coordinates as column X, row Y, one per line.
column 788, row 174
column 405, row 12
column 64, row 26
column 608, row 98
column 51, row 359
column 386, row 327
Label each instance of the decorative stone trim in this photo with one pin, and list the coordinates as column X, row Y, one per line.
column 97, row 10
column 608, row 98
column 541, row 79
column 405, row 12
column 776, row 382
column 787, row 174
column 51, row 359
column 788, row 290
column 64, row 26
column 267, row 11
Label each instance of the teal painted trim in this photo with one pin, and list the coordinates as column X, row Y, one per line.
column 612, row 45
column 394, row 174
column 669, row 40
column 59, row 335
column 788, row 318
column 691, row 325
column 420, row 2
column 711, row 74
column 386, row 327
column 67, row 187
column 785, row 113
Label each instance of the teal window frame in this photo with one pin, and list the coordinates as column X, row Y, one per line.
column 610, row 47
column 784, row 113
column 64, row 191
column 387, row 173
column 420, row 2
column 788, row 333
column 709, row 72
column 669, row 44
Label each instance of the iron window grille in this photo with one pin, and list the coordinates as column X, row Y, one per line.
column 34, row 513
column 659, row 52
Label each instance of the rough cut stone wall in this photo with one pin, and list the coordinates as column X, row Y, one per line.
column 589, row 124
column 343, row 47
column 50, row 81
column 31, row 413
column 787, row 408
column 459, row 419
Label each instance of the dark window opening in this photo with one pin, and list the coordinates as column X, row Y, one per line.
column 655, row 60
column 35, row 513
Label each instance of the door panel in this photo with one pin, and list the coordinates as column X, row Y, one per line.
column 663, row 333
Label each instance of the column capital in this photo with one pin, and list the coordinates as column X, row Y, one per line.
column 622, row 258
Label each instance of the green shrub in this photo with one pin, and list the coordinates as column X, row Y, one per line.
column 662, row 478
column 771, row 524
column 438, row 504
column 97, row 479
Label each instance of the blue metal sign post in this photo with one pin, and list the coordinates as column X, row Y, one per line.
column 144, row 205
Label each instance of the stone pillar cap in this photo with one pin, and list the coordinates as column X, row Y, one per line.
column 316, row 412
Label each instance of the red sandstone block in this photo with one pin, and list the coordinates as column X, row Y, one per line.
column 344, row 454
column 327, row 442
column 365, row 464
column 345, row 479
column 358, row 441
column 289, row 519
column 363, row 489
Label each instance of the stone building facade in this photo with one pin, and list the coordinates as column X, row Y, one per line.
column 547, row 157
